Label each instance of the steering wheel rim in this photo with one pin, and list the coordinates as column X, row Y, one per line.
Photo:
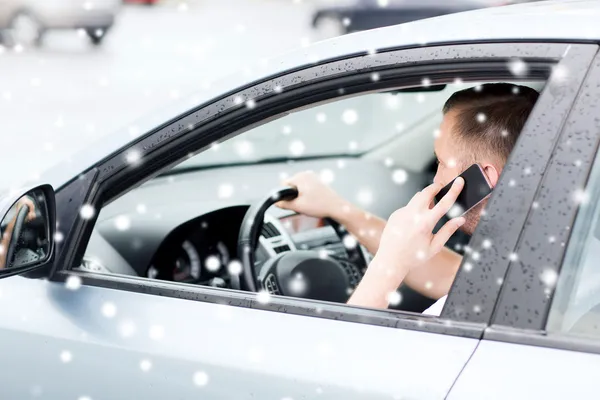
column 16, row 234
column 353, row 265
column 250, row 232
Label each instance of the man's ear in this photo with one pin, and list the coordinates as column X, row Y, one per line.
column 492, row 173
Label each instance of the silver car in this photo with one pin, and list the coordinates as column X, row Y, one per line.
column 125, row 274
column 25, row 22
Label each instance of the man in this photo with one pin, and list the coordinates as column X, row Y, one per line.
column 480, row 125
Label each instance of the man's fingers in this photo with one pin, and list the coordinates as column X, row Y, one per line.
column 426, row 196
column 445, row 232
column 446, row 203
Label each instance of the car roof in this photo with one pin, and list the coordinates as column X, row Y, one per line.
column 564, row 20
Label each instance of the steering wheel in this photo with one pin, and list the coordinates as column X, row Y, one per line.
column 16, row 234
column 300, row 273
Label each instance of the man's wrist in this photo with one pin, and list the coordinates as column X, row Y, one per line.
column 342, row 211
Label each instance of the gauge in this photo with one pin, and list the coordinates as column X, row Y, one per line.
column 187, row 264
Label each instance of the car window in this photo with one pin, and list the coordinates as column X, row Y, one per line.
column 576, row 305
column 375, row 149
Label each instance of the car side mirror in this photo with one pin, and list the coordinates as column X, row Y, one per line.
column 27, row 228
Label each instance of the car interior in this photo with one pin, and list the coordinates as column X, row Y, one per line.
column 192, row 223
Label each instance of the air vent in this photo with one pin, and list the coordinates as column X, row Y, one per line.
column 269, row 230
column 271, row 285
column 281, row 249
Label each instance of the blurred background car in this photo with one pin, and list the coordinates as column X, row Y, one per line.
column 26, row 22
column 145, row 2
column 337, row 17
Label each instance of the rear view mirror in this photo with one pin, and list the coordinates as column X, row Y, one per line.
column 27, row 231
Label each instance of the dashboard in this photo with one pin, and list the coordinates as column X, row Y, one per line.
column 184, row 227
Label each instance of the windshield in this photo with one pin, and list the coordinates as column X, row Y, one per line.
column 347, row 127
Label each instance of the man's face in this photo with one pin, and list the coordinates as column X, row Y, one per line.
column 452, row 161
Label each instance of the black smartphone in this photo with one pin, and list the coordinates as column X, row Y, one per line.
column 476, row 188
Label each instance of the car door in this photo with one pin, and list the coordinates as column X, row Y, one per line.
column 544, row 341
column 82, row 334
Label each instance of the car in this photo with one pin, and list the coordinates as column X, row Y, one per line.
column 155, row 264
column 26, row 22
column 332, row 18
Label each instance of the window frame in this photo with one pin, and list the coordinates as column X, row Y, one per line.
column 580, row 139
column 224, row 118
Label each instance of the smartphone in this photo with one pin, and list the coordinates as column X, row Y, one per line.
column 476, row 189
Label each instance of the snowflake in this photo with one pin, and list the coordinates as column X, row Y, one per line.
column 145, row 365
column 517, row 67
column 327, row 176
column 560, row 74
column 436, row 133
column 365, row 197
column 486, row 244
column 122, row 223
column 481, row 117
column 420, row 98
column 346, row 21
column 394, row 298
column 353, row 145
column 350, row 242
column 321, row 117
column 298, row 285
column 549, row 277
column 428, row 285
column 499, row 281
column 200, row 378
column 476, row 309
column 513, row 256
column 286, row 130
column 297, row 148
column 577, row 163
column 399, row 176
column 455, row 211
column 375, row 77
column 478, row 88
column 225, row 191
column 234, row 267
column 392, row 102
column 426, row 82
column 66, row 356
column 399, row 126
column 475, row 256
column 7, row 95
column 244, row 148
column 251, row 104
column 87, row 211
column 18, row 48
column 238, row 100
column 156, row 332
column 58, row 236
column 551, row 239
column 287, row 398
column 468, row 267
column 388, row 162
column 73, row 282
column 350, row 117
column 127, row 329
column 141, row 208
column 527, row 171
column 263, row 297
column 535, row 205
column 84, row 398
column 109, row 310
column 512, row 183
column 278, row 89
column 212, row 263
column 372, row 52
column 581, row 196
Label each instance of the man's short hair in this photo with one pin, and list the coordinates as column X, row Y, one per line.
column 491, row 117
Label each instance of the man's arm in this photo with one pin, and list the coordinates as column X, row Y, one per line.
column 432, row 280
column 407, row 244
column 318, row 200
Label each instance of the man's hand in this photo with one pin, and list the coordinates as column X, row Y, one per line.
column 407, row 243
column 315, row 198
column 408, row 235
